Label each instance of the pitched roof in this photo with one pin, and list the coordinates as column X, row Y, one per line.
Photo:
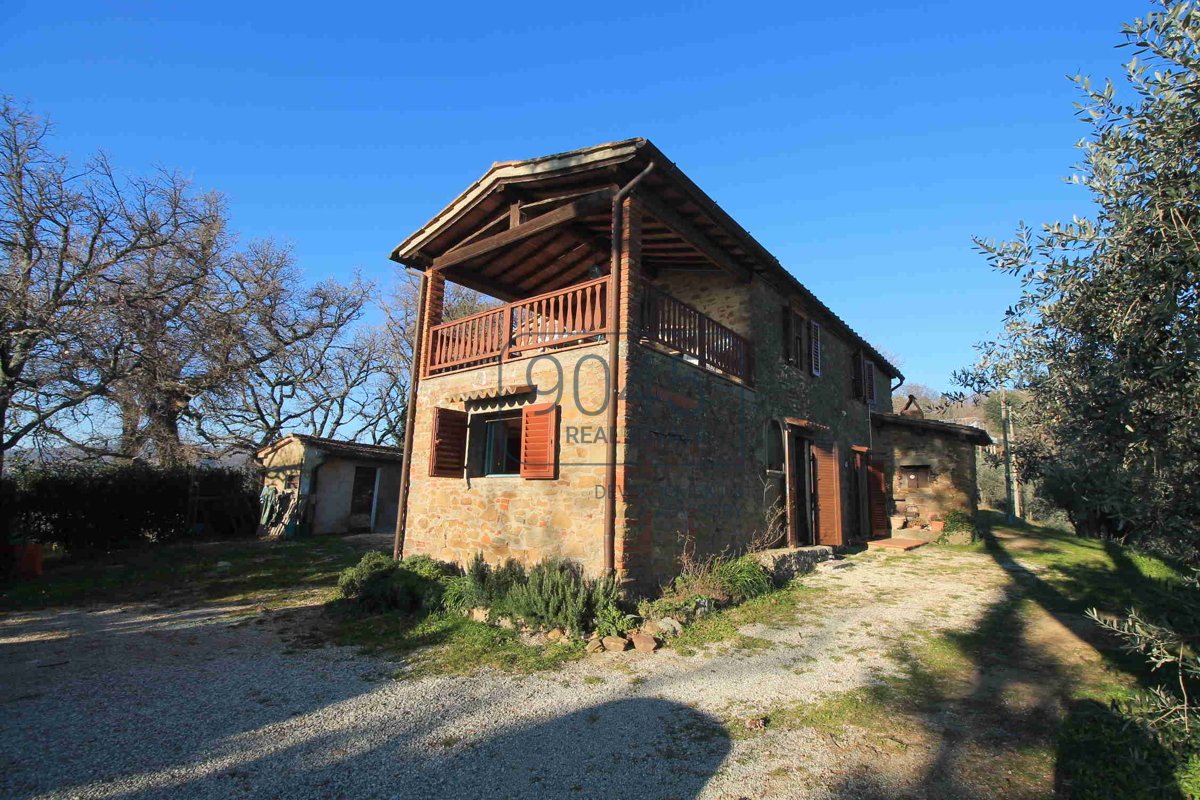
column 975, row 435
column 614, row 163
column 337, row 447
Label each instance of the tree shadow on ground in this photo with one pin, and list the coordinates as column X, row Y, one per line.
column 118, row 705
column 995, row 731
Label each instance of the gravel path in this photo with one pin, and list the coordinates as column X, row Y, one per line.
column 137, row 702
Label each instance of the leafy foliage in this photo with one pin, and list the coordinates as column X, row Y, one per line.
column 99, row 508
column 554, row 595
column 379, row 583
column 1104, row 335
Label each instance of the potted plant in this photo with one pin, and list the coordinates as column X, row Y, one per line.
column 937, row 525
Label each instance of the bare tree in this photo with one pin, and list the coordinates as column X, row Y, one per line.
column 65, row 240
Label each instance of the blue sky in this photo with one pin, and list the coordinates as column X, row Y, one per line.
column 864, row 144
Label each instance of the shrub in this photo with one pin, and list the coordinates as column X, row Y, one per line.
column 429, row 568
column 610, row 620
column 103, row 507
column 379, row 583
column 958, row 520
column 554, row 594
column 741, row 578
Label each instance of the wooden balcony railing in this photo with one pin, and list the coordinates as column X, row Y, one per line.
column 556, row 319
column 579, row 314
column 676, row 325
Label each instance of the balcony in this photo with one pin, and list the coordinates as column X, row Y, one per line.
column 578, row 315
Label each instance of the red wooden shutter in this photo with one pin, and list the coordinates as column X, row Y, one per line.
column 447, row 453
column 869, row 378
column 814, row 347
column 539, row 440
column 789, row 352
column 877, row 498
column 829, row 494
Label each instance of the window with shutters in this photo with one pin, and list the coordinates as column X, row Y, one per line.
column 814, row 347
column 514, row 442
column 869, row 380
column 915, row 477
column 794, row 326
column 448, row 450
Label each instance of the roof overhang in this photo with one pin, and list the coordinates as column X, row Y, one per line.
column 976, row 436
column 498, row 236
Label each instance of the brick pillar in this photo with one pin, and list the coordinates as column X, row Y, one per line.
column 629, row 557
column 435, row 296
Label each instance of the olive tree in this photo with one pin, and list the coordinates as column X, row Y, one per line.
column 1105, row 335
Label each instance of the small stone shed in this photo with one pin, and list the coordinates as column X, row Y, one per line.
column 929, row 465
column 335, row 486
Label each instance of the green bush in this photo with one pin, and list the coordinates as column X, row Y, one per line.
column 741, row 578
column 610, row 620
column 95, row 508
column 554, row 594
column 379, row 583
column 958, row 520
column 429, row 568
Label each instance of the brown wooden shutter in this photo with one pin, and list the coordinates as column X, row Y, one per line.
column 447, row 453
column 858, row 387
column 829, row 494
column 789, row 352
column 814, row 347
column 539, row 441
column 869, row 377
column 877, row 498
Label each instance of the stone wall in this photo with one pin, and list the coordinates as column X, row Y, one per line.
column 508, row 516
column 697, row 442
column 717, row 294
column 952, row 470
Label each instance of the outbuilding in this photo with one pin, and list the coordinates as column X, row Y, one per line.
column 322, row 486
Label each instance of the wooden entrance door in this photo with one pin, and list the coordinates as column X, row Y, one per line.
column 828, row 492
column 877, row 497
column 801, row 501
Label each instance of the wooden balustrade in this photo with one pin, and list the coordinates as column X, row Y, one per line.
column 579, row 314
column 678, row 326
column 556, row 319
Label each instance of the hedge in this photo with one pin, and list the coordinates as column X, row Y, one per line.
column 109, row 507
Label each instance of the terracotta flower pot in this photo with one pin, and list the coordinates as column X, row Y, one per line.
column 937, row 525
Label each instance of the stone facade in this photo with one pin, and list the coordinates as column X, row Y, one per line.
column 949, row 455
column 692, row 445
column 506, row 516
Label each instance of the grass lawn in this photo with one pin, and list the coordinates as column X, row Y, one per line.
column 448, row 644
column 268, row 574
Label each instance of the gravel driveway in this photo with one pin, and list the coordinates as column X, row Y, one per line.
column 137, row 702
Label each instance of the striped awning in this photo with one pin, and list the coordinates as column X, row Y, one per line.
column 492, row 392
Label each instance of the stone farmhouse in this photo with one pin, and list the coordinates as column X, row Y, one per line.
column 652, row 379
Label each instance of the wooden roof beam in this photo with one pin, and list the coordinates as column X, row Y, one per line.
column 693, row 235
column 585, row 205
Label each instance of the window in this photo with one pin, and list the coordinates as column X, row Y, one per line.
column 502, row 446
column 915, row 477
column 814, row 347
column 793, row 337
column 864, row 378
column 511, row 442
column 774, row 446
column 362, row 494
